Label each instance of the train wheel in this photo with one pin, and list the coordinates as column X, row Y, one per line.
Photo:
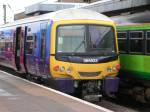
column 147, row 95
column 29, row 77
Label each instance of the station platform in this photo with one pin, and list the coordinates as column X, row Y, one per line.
column 20, row 95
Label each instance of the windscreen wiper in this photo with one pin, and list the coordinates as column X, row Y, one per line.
column 77, row 48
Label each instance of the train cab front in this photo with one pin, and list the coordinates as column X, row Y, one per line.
column 84, row 57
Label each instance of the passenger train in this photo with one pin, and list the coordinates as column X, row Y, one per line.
column 134, row 47
column 73, row 49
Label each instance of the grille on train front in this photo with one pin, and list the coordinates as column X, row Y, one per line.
column 89, row 74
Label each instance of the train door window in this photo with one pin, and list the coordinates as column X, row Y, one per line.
column 136, row 41
column 122, row 42
column 148, row 41
column 43, row 39
column 30, row 44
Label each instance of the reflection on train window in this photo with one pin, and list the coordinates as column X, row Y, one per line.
column 148, row 41
column 136, row 41
column 101, row 37
column 29, row 44
column 71, row 38
column 122, row 42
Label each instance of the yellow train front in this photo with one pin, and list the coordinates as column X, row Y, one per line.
column 84, row 53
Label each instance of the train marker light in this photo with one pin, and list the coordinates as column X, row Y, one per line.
column 114, row 68
column 69, row 70
column 118, row 67
column 56, row 68
column 109, row 69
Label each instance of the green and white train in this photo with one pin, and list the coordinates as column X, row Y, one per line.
column 134, row 44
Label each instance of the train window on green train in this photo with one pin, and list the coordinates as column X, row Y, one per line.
column 148, row 34
column 148, row 41
column 122, row 42
column 136, row 34
column 136, row 41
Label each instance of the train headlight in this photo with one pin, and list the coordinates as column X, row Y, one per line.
column 109, row 69
column 114, row 68
column 99, row 83
column 76, row 83
column 69, row 70
column 62, row 69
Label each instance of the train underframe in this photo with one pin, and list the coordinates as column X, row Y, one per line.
column 138, row 89
column 91, row 90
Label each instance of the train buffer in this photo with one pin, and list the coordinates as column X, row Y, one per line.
column 20, row 95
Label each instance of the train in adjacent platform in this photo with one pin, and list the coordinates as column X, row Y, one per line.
column 134, row 47
column 73, row 49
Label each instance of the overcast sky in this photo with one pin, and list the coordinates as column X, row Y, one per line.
column 16, row 6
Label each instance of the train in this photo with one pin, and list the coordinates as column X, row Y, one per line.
column 134, row 47
column 75, row 50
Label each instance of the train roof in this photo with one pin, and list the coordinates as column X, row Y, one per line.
column 66, row 14
column 144, row 26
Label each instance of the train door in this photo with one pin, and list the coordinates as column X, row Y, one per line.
column 19, row 49
column 30, row 48
column 43, row 32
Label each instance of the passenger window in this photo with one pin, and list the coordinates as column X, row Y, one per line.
column 43, row 39
column 122, row 41
column 29, row 44
column 136, row 41
column 8, row 45
column 148, row 41
column 2, row 44
column 6, row 41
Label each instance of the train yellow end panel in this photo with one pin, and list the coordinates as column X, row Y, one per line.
column 84, row 55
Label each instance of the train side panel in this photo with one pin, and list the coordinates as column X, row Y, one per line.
column 133, row 68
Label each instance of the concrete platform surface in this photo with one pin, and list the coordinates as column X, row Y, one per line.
column 20, row 95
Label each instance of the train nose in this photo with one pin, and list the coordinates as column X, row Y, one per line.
column 92, row 71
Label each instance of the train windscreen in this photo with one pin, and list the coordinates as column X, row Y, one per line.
column 85, row 39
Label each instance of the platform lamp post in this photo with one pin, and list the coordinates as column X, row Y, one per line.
column 4, row 9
